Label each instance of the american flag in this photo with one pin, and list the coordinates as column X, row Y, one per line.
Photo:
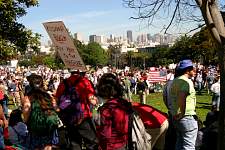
column 154, row 76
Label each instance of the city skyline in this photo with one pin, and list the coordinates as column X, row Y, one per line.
column 96, row 17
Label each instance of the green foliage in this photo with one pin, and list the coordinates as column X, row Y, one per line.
column 53, row 62
column 181, row 49
column 113, row 52
column 80, row 47
column 196, row 47
column 37, row 59
column 205, row 46
column 49, row 61
column 92, row 54
column 13, row 33
column 34, row 41
column 26, row 63
column 7, row 51
column 95, row 55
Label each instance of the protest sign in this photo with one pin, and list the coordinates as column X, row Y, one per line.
column 64, row 45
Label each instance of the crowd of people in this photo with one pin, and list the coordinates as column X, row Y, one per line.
column 75, row 110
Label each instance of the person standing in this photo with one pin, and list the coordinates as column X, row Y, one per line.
column 39, row 115
column 142, row 90
column 4, row 98
column 215, row 89
column 84, row 131
column 170, row 136
column 114, row 114
column 3, row 125
column 183, row 98
column 127, row 85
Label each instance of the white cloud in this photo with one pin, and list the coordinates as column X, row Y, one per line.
column 92, row 14
column 81, row 16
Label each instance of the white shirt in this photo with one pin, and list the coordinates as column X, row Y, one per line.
column 215, row 88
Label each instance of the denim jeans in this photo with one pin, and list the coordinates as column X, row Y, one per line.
column 199, row 86
column 216, row 101
column 5, row 106
column 186, row 129
column 2, row 145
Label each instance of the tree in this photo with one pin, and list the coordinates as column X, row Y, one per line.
column 80, row 47
column 198, row 47
column 33, row 42
column 160, row 56
column 205, row 12
column 182, row 49
column 114, row 52
column 6, row 51
column 15, row 34
column 94, row 54
column 205, row 47
column 129, row 56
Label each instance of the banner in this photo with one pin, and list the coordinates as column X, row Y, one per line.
column 64, row 45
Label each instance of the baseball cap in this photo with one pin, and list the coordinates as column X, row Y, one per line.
column 185, row 64
column 73, row 70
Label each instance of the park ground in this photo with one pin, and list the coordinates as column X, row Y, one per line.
column 202, row 108
column 156, row 100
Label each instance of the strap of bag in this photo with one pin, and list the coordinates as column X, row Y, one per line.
column 17, row 134
column 130, row 126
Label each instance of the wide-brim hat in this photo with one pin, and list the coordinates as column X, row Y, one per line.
column 183, row 64
column 34, row 77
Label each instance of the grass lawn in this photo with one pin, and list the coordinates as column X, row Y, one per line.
column 202, row 108
column 155, row 100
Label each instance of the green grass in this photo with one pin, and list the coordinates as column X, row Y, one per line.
column 155, row 100
column 202, row 108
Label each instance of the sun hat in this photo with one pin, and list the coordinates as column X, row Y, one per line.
column 185, row 64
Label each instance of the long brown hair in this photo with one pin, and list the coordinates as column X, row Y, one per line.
column 109, row 86
column 41, row 96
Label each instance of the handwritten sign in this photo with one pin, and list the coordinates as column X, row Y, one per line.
column 64, row 45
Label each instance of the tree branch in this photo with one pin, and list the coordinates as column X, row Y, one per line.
column 199, row 27
column 204, row 7
column 174, row 14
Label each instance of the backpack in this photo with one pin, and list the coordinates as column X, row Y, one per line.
column 43, row 120
column 138, row 138
column 71, row 112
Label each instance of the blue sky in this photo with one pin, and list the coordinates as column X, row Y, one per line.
column 100, row 17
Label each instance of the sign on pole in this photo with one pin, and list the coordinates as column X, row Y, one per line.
column 64, row 45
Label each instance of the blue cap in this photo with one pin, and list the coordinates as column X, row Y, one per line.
column 185, row 64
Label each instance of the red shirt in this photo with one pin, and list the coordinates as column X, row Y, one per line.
column 113, row 130
column 151, row 117
column 84, row 88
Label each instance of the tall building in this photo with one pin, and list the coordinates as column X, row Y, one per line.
column 98, row 39
column 157, row 38
column 92, row 38
column 149, row 37
column 129, row 37
column 78, row 36
column 142, row 39
column 111, row 38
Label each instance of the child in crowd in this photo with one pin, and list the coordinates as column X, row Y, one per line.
column 17, row 129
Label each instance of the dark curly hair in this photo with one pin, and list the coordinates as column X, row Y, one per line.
column 15, row 117
column 109, row 86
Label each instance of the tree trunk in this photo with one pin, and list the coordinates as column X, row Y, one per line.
column 221, row 136
column 215, row 23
